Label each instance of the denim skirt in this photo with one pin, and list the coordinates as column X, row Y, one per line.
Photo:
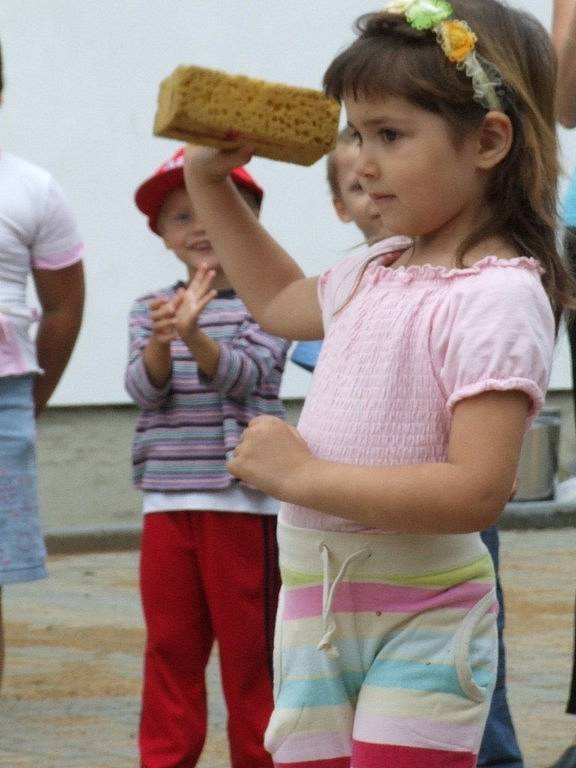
column 22, row 550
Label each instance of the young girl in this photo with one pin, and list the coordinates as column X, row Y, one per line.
column 436, row 356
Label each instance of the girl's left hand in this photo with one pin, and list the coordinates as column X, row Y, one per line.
column 271, row 456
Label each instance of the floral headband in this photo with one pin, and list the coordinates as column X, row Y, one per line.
column 458, row 43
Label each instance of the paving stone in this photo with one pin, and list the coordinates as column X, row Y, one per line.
column 74, row 649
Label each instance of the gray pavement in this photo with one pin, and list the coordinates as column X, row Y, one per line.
column 72, row 685
column 113, row 536
column 71, row 690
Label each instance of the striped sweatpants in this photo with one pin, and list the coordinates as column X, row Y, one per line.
column 385, row 651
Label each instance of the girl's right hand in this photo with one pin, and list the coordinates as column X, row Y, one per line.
column 206, row 165
column 163, row 316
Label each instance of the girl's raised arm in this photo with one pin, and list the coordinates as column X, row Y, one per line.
column 278, row 295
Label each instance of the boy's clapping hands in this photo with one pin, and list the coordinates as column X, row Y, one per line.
column 178, row 316
column 189, row 302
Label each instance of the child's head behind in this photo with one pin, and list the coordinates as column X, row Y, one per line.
column 164, row 200
column 391, row 58
column 351, row 202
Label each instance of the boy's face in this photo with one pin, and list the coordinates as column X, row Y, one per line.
column 184, row 234
column 352, row 203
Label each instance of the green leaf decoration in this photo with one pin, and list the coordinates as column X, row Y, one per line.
column 426, row 14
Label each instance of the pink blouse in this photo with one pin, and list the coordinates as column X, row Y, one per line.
column 411, row 343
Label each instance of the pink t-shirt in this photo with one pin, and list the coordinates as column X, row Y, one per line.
column 411, row 343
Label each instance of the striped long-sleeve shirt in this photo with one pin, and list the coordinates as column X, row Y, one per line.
column 187, row 429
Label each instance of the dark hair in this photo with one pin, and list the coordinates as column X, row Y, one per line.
column 250, row 197
column 389, row 57
column 345, row 139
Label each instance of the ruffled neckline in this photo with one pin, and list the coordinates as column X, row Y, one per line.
column 385, row 263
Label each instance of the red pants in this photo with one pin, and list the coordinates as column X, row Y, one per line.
column 207, row 576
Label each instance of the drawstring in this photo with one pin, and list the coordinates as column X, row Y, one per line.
column 328, row 592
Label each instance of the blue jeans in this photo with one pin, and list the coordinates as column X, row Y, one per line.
column 499, row 745
column 22, row 551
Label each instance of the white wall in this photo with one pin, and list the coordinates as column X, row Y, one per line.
column 81, row 86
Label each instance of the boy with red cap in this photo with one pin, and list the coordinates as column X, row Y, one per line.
column 200, row 368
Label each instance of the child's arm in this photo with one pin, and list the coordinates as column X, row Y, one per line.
column 188, row 305
column 149, row 369
column 466, row 493
column 61, row 295
column 273, row 287
column 157, row 357
column 564, row 38
column 237, row 367
column 178, row 317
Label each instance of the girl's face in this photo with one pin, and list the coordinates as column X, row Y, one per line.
column 407, row 161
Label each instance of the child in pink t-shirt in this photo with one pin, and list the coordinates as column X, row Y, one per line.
column 39, row 240
column 436, row 356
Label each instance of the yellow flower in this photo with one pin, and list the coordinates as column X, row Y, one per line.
column 426, row 14
column 457, row 39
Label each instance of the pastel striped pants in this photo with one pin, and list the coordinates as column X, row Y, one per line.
column 385, row 651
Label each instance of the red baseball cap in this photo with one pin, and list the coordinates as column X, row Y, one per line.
column 151, row 193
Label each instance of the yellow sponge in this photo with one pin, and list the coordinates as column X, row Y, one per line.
column 204, row 106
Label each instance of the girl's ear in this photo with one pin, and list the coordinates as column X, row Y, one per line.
column 495, row 140
column 341, row 210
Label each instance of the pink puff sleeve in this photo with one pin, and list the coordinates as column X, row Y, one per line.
column 495, row 330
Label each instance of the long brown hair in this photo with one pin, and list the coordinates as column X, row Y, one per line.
column 389, row 57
